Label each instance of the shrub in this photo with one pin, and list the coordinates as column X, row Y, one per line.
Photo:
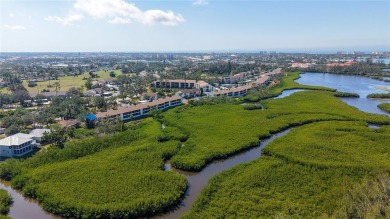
column 379, row 95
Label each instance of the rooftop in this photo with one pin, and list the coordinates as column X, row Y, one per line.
column 16, row 139
column 121, row 110
column 39, row 132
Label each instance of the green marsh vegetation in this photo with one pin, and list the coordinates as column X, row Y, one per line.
column 220, row 130
column 5, row 203
column 121, row 175
column 286, row 83
column 379, row 95
column 118, row 176
column 345, row 94
column 385, row 107
column 332, row 169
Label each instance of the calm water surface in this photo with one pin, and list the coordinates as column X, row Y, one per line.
column 24, row 208
column 354, row 84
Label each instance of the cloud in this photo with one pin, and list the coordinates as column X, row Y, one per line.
column 67, row 20
column 157, row 16
column 200, row 2
column 121, row 12
column 15, row 27
column 11, row 14
column 119, row 20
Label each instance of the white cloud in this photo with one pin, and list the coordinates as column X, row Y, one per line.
column 121, row 12
column 157, row 16
column 11, row 14
column 15, row 27
column 200, row 2
column 67, row 20
column 119, row 20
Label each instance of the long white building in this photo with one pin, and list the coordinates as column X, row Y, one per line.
column 127, row 113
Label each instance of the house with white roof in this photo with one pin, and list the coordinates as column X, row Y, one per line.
column 17, row 145
column 39, row 133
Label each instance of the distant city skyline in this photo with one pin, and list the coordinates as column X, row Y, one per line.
column 194, row 26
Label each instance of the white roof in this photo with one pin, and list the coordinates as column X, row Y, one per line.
column 22, row 135
column 16, row 139
column 39, row 132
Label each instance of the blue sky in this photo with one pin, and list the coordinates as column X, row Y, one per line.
column 199, row 25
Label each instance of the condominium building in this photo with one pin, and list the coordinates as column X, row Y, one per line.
column 127, row 113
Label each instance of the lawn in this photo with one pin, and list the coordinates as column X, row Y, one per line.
column 68, row 82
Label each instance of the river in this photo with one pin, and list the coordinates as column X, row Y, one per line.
column 198, row 180
column 22, row 207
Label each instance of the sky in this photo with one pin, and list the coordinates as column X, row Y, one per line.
column 193, row 25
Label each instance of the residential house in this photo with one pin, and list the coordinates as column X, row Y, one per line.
column 204, row 86
column 234, row 78
column 94, row 92
column 17, row 145
column 189, row 93
column 48, row 95
column 38, row 134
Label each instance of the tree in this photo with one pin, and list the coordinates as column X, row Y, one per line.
column 58, row 135
column 88, row 84
column 100, row 103
column 74, row 92
column 112, row 74
column 57, row 86
column 39, row 99
column 20, row 95
column 72, row 106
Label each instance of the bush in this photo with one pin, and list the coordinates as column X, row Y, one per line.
column 253, row 107
column 345, row 94
column 379, row 95
column 385, row 107
column 5, row 202
column 118, row 176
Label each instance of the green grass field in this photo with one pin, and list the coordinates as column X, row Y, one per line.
column 68, row 82
column 312, row 172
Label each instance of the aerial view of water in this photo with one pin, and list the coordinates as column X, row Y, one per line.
column 353, row 84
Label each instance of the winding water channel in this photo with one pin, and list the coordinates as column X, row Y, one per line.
column 26, row 208
column 198, row 180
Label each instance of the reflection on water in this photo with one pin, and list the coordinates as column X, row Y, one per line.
column 23, row 208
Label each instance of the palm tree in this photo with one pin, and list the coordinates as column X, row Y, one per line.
column 57, row 86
